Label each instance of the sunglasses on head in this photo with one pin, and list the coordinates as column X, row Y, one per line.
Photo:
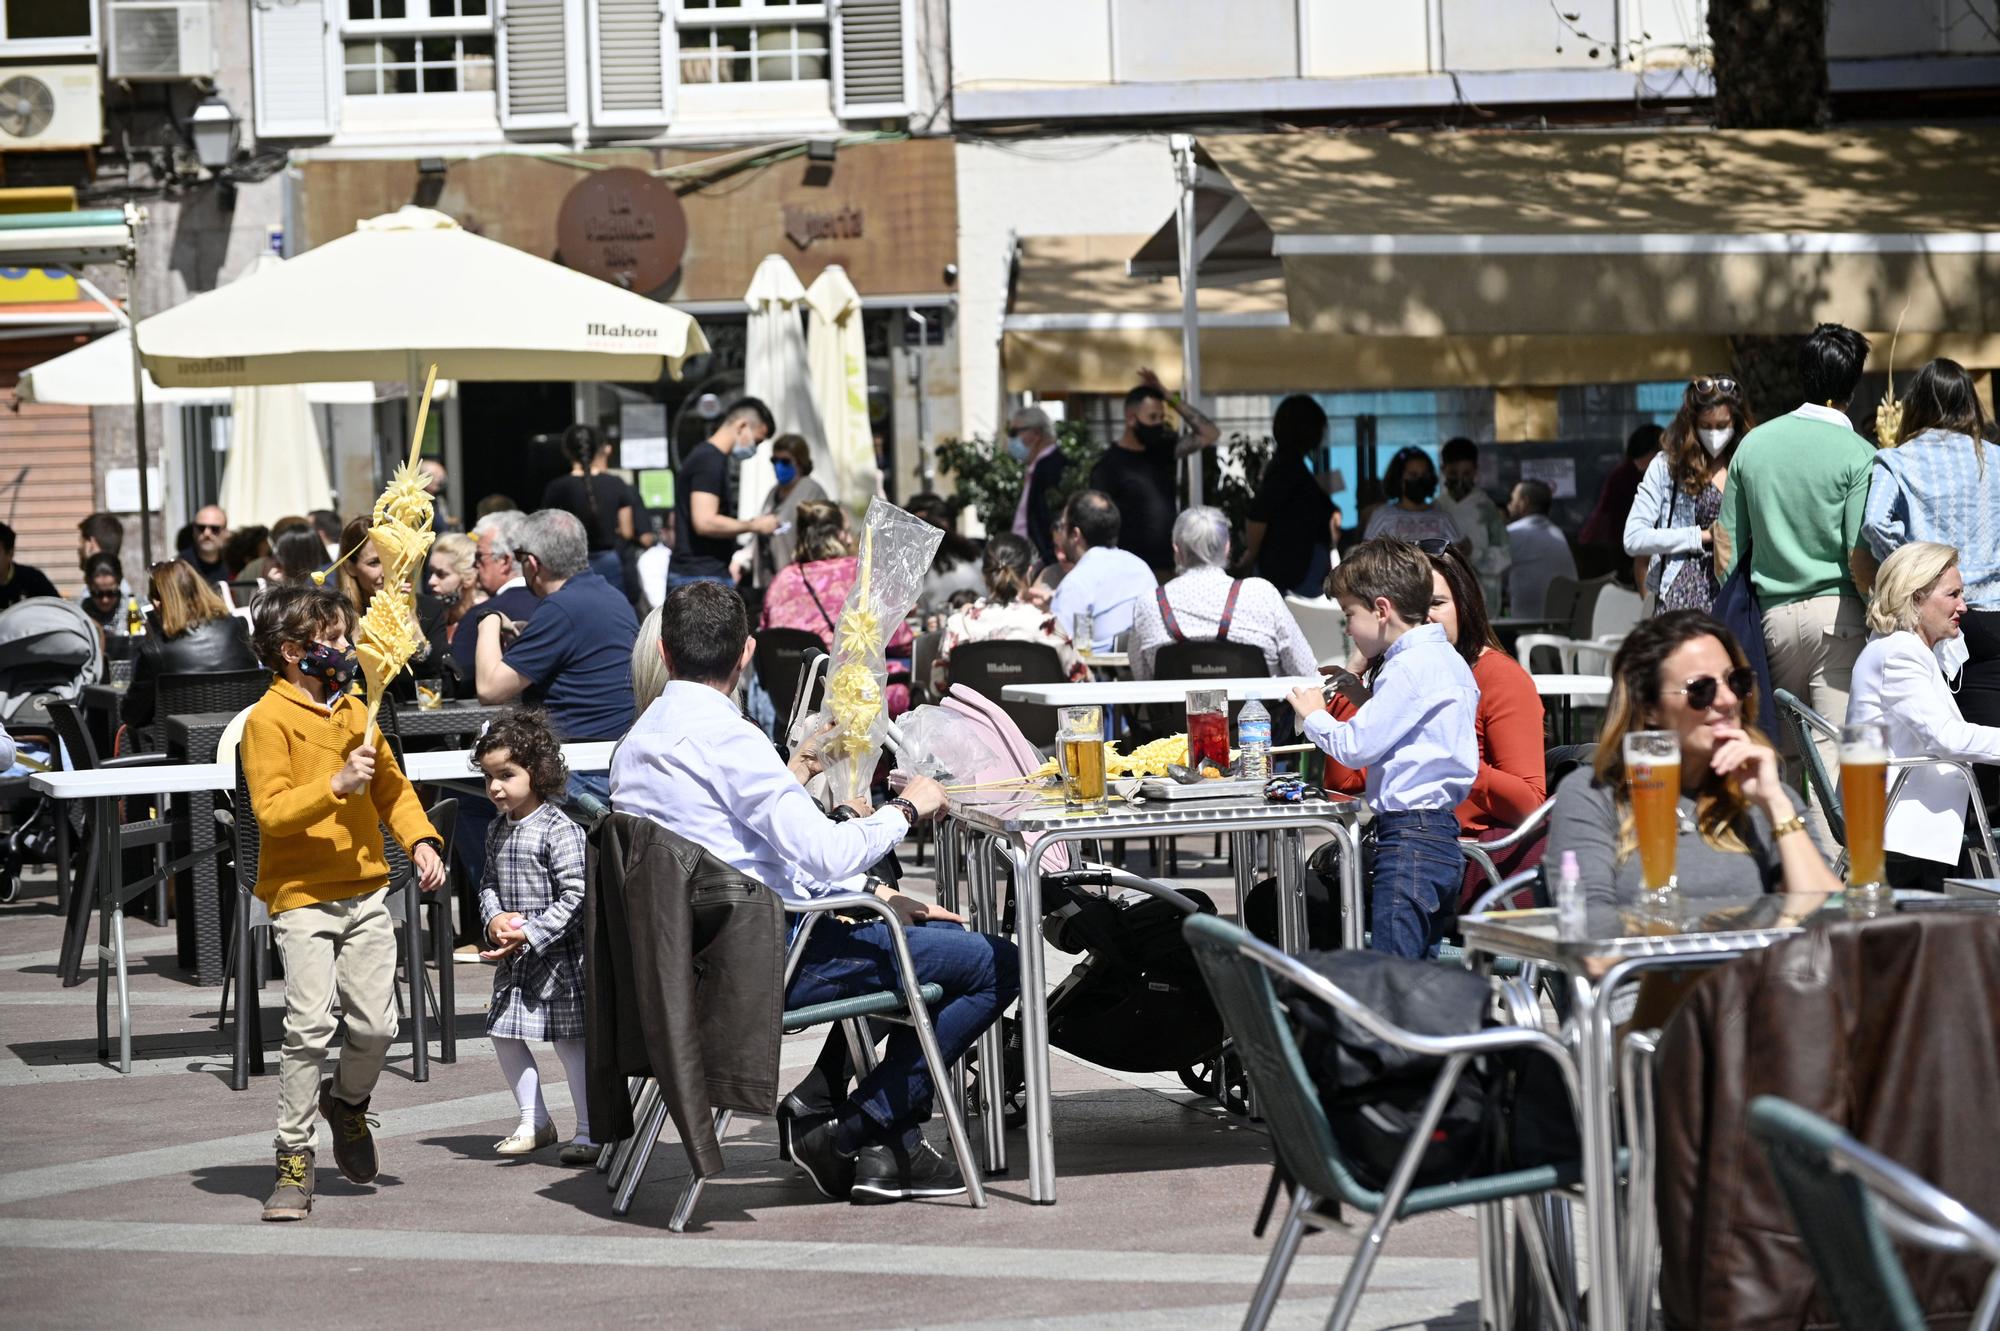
column 1433, row 545
column 1701, row 689
column 1710, row 386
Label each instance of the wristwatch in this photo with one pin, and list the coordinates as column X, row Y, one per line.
column 908, row 809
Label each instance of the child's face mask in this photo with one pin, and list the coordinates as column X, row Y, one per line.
column 333, row 666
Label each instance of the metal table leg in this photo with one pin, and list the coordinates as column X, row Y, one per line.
column 1027, row 865
column 985, row 903
column 413, row 969
column 1590, row 1014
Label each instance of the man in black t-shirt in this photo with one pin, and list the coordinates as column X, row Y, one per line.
column 19, row 581
column 705, row 525
column 1137, row 471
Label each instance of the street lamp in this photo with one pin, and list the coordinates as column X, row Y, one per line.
column 214, row 128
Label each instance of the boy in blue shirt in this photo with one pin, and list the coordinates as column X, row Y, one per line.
column 1415, row 733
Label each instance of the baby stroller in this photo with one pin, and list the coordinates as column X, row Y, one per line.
column 49, row 649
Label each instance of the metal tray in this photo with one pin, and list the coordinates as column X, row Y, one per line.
column 1165, row 788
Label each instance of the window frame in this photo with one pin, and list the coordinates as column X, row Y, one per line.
column 416, row 28
column 90, row 43
column 752, row 14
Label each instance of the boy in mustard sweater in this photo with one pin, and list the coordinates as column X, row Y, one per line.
column 323, row 872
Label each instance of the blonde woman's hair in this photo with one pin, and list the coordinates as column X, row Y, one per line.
column 1905, row 578
column 649, row 668
column 460, row 550
column 181, row 599
column 822, row 532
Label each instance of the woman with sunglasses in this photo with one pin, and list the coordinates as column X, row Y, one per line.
column 1918, row 604
column 1742, row 832
column 190, row 632
column 1672, row 523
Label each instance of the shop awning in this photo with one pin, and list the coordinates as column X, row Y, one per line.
column 1424, row 235
column 1077, row 323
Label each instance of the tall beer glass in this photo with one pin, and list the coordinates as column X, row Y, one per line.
column 1864, row 786
column 1653, row 780
column 1080, row 744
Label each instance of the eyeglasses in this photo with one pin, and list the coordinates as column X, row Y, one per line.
column 1701, row 689
column 210, row 526
column 1710, row 386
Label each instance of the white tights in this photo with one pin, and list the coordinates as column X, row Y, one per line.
column 517, row 1065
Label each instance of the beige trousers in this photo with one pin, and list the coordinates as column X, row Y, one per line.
column 335, row 948
column 1812, row 647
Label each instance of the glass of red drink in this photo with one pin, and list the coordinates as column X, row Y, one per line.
column 1208, row 728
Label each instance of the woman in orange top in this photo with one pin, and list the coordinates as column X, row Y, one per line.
column 1513, row 772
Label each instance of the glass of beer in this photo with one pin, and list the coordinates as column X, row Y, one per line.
column 1085, row 636
column 1653, row 779
column 1864, row 786
column 1080, row 750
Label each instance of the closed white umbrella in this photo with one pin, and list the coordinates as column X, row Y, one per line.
column 774, row 369
column 407, row 289
column 277, row 462
column 840, row 385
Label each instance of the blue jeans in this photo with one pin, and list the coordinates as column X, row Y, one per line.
column 1418, row 870
column 596, row 784
column 606, row 565
column 980, row 975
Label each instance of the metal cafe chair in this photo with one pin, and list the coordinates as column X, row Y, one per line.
column 625, row 1162
column 1240, row 971
column 1850, row 1203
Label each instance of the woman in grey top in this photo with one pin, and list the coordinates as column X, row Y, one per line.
column 791, row 459
column 1742, row 832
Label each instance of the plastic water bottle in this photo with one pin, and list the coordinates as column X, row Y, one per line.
column 1571, row 918
column 1253, row 737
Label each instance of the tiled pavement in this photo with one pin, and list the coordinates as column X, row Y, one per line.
column 133, row 1201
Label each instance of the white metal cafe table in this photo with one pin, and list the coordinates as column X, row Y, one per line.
column 106, row 787
column 1141, row 692
column 1572, row 691
column 1024, row 827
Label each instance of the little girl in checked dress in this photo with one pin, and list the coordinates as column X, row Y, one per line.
column 531, row 903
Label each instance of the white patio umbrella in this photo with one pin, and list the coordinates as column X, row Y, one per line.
column 99, row 374
column 407, row 289
column 840, row 386
column 774, row 369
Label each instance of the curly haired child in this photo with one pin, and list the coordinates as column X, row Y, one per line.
column 530, row 902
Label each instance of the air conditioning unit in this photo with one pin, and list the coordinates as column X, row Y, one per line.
column 51, row 108
column 159, row 40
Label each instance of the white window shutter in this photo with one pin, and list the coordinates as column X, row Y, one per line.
column 533, row 53
column 873, row 50
column 633, row 66
column 296, row 72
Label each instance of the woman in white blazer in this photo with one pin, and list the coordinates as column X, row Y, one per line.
column 1919, row 599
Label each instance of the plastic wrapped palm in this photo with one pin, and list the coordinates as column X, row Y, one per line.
column 401, row 532
column 896, row 552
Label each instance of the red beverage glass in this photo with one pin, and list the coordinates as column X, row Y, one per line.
column 1208, row 728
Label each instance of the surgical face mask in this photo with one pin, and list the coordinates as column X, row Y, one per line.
column 1716, row 440
column 1419, row 489
column 331, row 666
column 1017, row 448
column 744, row 448
column 1155, row 436
column 787, row 473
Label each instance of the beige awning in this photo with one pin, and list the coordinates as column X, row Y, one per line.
column 1628, row 233
column 1078, row 324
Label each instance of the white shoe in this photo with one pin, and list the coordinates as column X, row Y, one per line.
column 527, row 1144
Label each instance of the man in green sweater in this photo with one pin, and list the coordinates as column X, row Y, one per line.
column 1794, row 500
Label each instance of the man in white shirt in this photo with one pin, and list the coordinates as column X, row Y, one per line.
column 1477, row 516
column 1541, row 551
column 1105, row 582
column 695, row 764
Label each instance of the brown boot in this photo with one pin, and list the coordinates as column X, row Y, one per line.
column 292, row 1198
column 353, row 1143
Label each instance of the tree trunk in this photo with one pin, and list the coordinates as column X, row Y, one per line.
column 1770, row 63
column 1770, row 73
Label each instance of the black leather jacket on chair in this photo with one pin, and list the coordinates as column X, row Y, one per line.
column 210, row 647
column 684, row 963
